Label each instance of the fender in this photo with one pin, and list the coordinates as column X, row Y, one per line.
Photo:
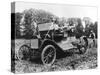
column 46, row 42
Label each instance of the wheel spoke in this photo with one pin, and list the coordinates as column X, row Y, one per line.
column 46, row 59
column 51, row 54
column 23, row 52
column 48, row 55
column 21, row 49
column 24, row 48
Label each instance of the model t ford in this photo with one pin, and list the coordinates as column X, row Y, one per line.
column 49, row 43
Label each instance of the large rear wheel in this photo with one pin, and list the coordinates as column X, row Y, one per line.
column 23, row 53
column 83, row 46
column 48, row 55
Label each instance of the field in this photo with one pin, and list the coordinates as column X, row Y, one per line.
column 69, row 62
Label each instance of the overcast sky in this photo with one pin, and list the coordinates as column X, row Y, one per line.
column 60, row 10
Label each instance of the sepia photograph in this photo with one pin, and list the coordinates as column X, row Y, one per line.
column 53, row 37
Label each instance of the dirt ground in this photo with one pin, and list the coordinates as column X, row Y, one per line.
column 70, row 62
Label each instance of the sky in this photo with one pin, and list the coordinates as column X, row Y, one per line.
column 60, row 10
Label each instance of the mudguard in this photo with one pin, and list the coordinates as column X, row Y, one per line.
column 46, row 42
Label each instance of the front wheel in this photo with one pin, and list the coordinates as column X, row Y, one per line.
column 48, row 55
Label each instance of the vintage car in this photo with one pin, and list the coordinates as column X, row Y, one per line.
column 49, row 44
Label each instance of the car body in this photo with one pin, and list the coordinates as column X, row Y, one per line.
column 50, row 43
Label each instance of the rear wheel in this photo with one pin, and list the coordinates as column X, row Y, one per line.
column 23, row 53
column 83, row 46
column 48, row 55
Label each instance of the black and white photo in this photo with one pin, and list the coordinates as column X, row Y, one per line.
column 53, row 37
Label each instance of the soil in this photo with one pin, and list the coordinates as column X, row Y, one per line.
column 69, row 62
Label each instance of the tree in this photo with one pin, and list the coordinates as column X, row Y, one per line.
column 79, row 28
column 37, row 16
column 76, row 24
column 18, row 17
column 62, row 21
column 95, row 29
column 87, row 20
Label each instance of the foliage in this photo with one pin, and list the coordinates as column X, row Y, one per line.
column 76, row 23
column 39, row 16
column 17, row 24
column 27, row 18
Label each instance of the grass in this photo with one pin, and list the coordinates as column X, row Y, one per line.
column 71, row 62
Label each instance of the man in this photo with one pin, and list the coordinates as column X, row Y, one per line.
column 92, row 36
column 35, row 29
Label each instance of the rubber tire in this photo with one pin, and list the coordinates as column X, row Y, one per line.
column 26, row 51
column 42, row 54
column 85, row 47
